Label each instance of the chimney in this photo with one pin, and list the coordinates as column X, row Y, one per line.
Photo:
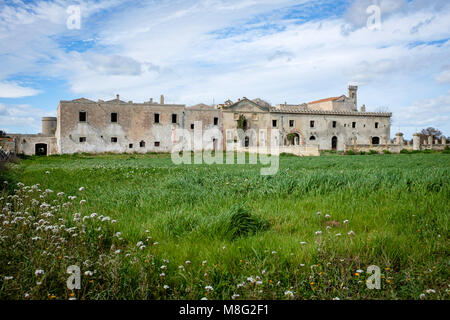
column 363, row 108
column 117, row 96
column 161, row 101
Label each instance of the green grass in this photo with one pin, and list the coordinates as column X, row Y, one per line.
column 244, row 225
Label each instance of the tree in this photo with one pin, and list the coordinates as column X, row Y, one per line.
column 2, row 133
column 430, row 131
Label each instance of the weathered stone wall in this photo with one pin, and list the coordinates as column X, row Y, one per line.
column 26, row 143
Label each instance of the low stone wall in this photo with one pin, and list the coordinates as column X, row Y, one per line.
column 301, row 151
column 393, row 148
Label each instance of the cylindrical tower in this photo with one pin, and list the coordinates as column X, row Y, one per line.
column 48, row 126
column 416, row 141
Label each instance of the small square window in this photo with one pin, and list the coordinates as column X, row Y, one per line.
column 156, row 143
column 216, row 121
column 82, row 116
column 274, row 123
column 130, row 146
column 192, row 126
column 353, row 124
column 82, row 139
column 376, row 125
column 334, row 124
column 291, row 123
column 311, row 124
column 113, row 139
column 174, row 118
column 156, row 117
column 113, row 117
column 142, row 144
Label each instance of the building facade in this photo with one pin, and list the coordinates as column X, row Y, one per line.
column 84, row 125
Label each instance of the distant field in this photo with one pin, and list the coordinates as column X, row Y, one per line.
column 223, row 230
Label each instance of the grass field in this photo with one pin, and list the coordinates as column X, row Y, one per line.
column 222, row 231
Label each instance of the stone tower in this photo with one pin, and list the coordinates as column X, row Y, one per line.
column 353, row 94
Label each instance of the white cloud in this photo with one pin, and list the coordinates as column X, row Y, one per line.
column 23, row 118
column 14, row 90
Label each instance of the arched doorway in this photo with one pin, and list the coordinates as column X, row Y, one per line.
column 40, row 149
column 334, row 142
column 293, row 139
column 375, row 140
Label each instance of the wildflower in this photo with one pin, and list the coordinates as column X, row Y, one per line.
column 166, row 287
column 60, row 194
column 94, row 214
column 274, row 252
column 336, row 298
column 181, row 267
column 351, row 232
column 162, row 274
column 318, row 213
column 142, row 247
column 209, row 288
column 430, row 291
column 204, row 262
column 204, row 298
column 47, row 172
column 140, row 243
column 8, row 278
column 318, row 232
column 345, row 221
column 39, row 272
column 155, row 243
column 338, row 234
column 289, row 294
column 163, row 267
column 303, row 243
column 327, row 216
column 113, row 221
column 235, row 296
column 82, row 201
column 88, row 273
column 188, row 262
column 422, row 296
column 117, row 251
column 27, row 296
column 81, row 189
column 359, row 271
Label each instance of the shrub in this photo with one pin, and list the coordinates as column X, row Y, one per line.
column 350, row 153
column 373, row 152
column 361, row 153
column 241, row 223
column 386, row 152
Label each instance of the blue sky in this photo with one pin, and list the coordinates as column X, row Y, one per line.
column 213, row 50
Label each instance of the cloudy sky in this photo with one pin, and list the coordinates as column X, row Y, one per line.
column 209, row 51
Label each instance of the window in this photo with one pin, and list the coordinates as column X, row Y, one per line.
column 192, row 126
column 113, row 117
column 82, row 139
column 113, row 139
column 312, row 138
column 130, row 145
column 376, row 125
column 345, row 125
column 311, row 124
column 353, row 124
column 334, row 124
column 82, row 116
column 174, row 118
column 274, row 123
column 156, row 117
column 156, row 143
column 375, row 140
column 142, row 144
column 216, row 121
column 291, row 123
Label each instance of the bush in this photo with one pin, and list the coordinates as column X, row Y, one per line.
column 373, row 152
column 386, row 152
column 361, row 153
column 404, row 151
column 350, row 153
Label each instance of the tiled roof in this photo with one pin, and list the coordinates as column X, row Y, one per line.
column 325, row 100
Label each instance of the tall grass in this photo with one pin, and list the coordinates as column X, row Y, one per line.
column 306, row 230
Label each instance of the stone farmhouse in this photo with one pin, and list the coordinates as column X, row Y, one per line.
column 117, row 126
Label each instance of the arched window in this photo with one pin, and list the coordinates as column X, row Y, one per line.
column 334, row 142
column 142, row 144
column 312, row 138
